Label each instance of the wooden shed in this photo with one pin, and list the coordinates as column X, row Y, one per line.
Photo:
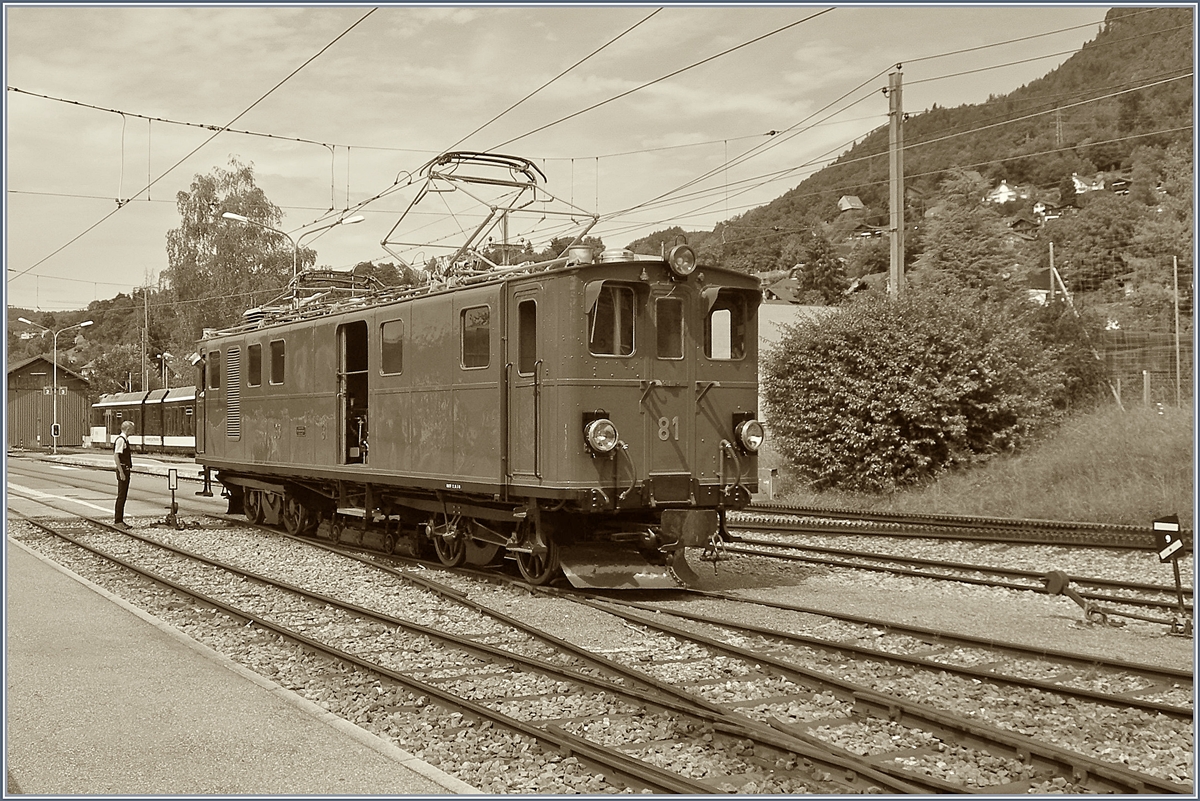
column 31, row 405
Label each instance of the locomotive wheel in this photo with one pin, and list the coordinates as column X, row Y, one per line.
column 389, row 543
column 451, row 552
column 253, row 504
column 540, row 569
column 295, row 517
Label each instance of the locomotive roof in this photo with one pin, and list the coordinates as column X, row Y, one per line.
column 329, row 303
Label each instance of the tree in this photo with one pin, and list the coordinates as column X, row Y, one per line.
column 1091, row 248
column 823, row 276
column 217, row 268
column 966, row 239
column 114, row 369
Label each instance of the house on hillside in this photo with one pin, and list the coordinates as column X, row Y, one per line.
column 786, row 290
column 1083, row 185
column 851, row 203
column 864, row 229
column 1005, row 193
column 1046, row 210
column 1023, row 226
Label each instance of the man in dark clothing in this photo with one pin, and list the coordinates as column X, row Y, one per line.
column 123, row 456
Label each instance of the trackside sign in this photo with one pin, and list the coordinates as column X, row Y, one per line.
column 1167, row 539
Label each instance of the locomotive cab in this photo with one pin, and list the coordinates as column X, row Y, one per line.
column 648, row 395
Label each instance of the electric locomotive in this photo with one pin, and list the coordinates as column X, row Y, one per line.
column 591, row 416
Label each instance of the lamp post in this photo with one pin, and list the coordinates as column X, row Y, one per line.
column 54, row 426
column 295, row 240
column 166, row 372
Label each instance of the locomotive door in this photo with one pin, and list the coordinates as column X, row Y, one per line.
column 525, row 373
column 352, row 392
column 667, row 398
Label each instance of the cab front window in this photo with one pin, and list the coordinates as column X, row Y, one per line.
column 610, row 321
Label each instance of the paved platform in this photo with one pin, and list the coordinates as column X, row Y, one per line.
column 103, row 699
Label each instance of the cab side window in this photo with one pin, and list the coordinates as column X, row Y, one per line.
column 725, row 327
column 476, row 337
column 254, row 365
column 526, row 337
column 214, row 369
column 391, row 338
column 277, row 362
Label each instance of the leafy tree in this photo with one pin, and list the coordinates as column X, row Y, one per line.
column 115, row 368
column 387, row 273
column 870, row 255
column 886, row 394
column 1091, row 248
column 965, row 239
column 217, row 268
column 823, row 277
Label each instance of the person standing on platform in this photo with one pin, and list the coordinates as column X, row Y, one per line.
column 123, row 456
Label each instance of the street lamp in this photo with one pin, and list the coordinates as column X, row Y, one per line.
column 229, row 215
column 54, row 427
column 166, row 372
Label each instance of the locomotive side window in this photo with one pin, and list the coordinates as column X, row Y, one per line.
column 277, row 361
column 254, row 365
column 476, row 337
column 527, row 337
column 391, row 337
column 668, row 318
column 725, row 327
column 610, row 322
column 214, row 369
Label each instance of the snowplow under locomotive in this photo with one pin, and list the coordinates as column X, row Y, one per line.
column 593, row 415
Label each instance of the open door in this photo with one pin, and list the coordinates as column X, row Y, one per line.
column 524, row 387
column 352, row 392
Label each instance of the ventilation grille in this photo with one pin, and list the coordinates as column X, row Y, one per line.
column 233, row 394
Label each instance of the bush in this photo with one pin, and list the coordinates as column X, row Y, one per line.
column 889, row 394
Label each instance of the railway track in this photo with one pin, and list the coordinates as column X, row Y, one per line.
column 1101, row 597
column 536, row 697
column 964, row 714
column 775, row 721
column 772, row 517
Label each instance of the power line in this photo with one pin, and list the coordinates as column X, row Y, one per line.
column 1050, row 55
column 665, row 77
column 217, row 133
column 556, row 77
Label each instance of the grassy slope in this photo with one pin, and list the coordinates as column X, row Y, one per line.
column 1105, row 466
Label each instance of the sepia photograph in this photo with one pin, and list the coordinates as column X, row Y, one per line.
column 588, row 399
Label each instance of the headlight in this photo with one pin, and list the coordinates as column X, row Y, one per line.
column 601, row 435
column 682, row 260
column 750, row 434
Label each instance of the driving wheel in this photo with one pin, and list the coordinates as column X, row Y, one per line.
column 253, row 505
column 295, row 517
column 451, row 551
column 540, row 566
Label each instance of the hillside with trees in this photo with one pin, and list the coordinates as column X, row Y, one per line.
column 1118, row 115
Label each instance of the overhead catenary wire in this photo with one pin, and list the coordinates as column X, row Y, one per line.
column 665, row 77
column 196, row 149
column 791, row 170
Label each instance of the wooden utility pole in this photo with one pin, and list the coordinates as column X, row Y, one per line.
column 1178, row 363
column 896, row 201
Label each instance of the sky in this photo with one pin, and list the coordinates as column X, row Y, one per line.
column 113, row 110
